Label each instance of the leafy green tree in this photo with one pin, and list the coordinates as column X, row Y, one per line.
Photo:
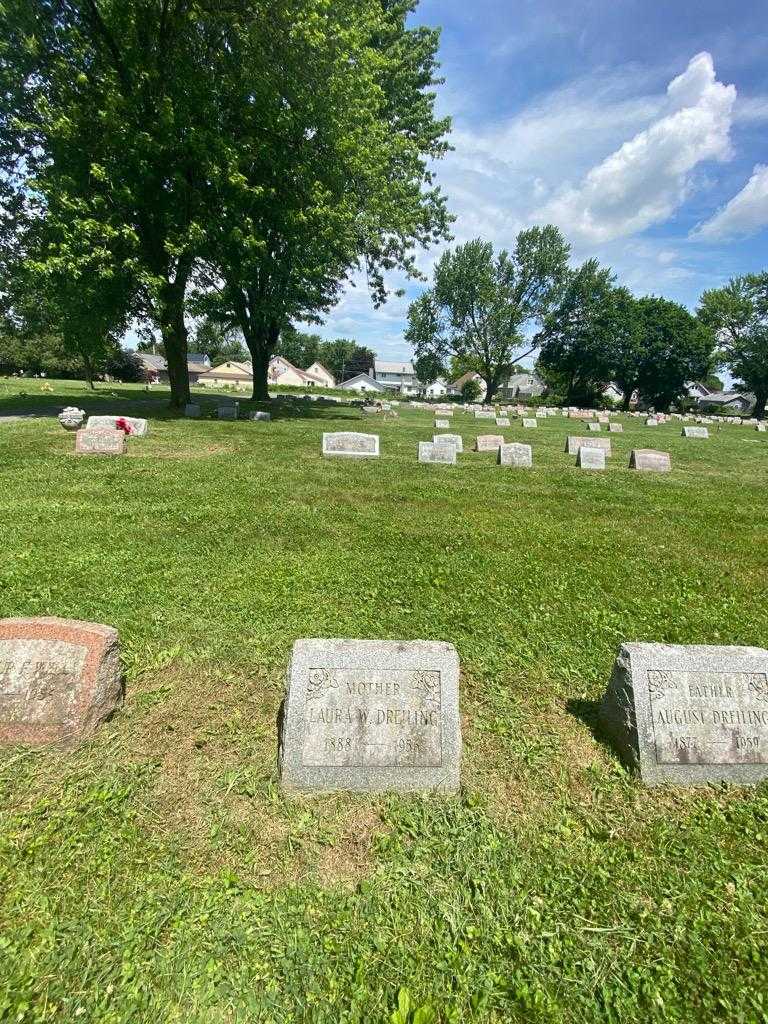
column 481, row 305
column 330, row 170
column 299, row 348
column 677, row 348
column 428, row 368
column 738, row 313
column 575, row 359
column 471, row 390
column 114, row 129
column 345, row 358
column 219, row 343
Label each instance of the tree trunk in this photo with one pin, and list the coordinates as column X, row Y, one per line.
column 261, row 344
column 490, row 390
column 627, row 390
column 174, row 333
column 761, row 397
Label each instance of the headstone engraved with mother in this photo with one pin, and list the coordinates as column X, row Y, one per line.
column 371, row 715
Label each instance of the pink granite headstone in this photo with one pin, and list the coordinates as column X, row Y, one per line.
column 59, row 679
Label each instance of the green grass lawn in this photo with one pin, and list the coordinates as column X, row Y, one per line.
column 156, row 874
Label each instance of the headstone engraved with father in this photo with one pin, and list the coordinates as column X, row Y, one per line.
column 371, row 715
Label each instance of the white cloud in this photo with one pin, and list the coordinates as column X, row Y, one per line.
column 647, row 178
column 743, row 215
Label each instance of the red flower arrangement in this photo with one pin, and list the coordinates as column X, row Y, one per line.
column 121, row 423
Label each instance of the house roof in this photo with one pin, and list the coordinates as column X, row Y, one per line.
column 470, row 375
column 199, row 357
column 725, row 397
column 381, row 367
column 367, row 378
column 152, row 362
column 229, row 368
column 303, row 374
column 320, row 366
column 196, row 362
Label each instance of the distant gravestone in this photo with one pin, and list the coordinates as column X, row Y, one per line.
column 488, row 442
column 452, row 439
column 59, row 679
column 650, row 461
column 136, row 426
column 371, row 715
column 99, row 441
column 762, row 427
column 71, row 418
column 443, row 454
column 519, row 456
column 371, row 410
column 651, row 422
column 261, row 417
column 590, row 458
column 192, row 410
column 442, row 424
column 574, row 444
column 616, row 428
column 502, row 421
column 349, row 444
column 529, row 423
column 594, row 427
column 485, row 414
column 701, row 432
column 228, row 412
column 689, row 714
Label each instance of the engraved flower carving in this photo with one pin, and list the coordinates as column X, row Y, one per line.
column 428, row 685
column 758, row 686
column 320, row 679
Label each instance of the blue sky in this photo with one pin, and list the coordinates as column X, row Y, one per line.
column 639, row 127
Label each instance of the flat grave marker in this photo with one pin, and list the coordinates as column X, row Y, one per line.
column 351, row 444
column 616, row 428
column 442, row 424
column 530, row 423
column 371, row 716
column 453, row 439
column 594, row 427
column 700, row 432
column 488, row 442
column 689, row 714
column 590, row 458
column 575, row 443
column 137, row 427
column 59, row 679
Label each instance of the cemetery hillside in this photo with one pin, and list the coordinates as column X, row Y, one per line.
column 156, row 872
column 383, row 475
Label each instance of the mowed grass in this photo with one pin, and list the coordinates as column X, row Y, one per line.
column 156, row 874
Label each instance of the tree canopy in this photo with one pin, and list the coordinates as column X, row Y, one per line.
column 481, row 306
column 738, row 313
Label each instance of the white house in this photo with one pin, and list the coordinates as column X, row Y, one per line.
column 318, row 371
column 613, row 393
column 397, row 377
column 438, row 389
column 285, row 374
column 363, row 382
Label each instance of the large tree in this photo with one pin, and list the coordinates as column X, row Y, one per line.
column 329, row 173
column 576, row 337
column 676, row 348
column 738, row 313
column 113, row 132
column 481, row 306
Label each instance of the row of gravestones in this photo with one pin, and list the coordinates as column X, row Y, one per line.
column 384, row 715
column 443, row 449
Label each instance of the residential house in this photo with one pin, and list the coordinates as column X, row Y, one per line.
column 229, row 372
column 437, row 389
column 613, row 393
column 457, row 386
column 156, row 368
column 397, row 377
column 325, row 376
column 363, row 382
column 285, row 374
column 736, row 402
column 696, row 390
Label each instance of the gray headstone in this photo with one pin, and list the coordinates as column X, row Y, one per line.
column 574, row 444
column 762, row 427
column 590, row 458
column 488, row 442
column 71, row 418
column 371, row 715
column 701, row 432
column 651, row 422
column 454, row 439
column 444, row 454
column 518, row 455
column 595, row 427
column 99, row 441
column 529, row 423
column 138, row 426
column 371, row 410
column 650, row 461
column 261, row 416
column 485, row 414
column 442, row 424
column 350, row 444
column 616, row 428
column 502, row 421
column 192, row 410
column 59, row 679
column 690, row 715
column 228, row 412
